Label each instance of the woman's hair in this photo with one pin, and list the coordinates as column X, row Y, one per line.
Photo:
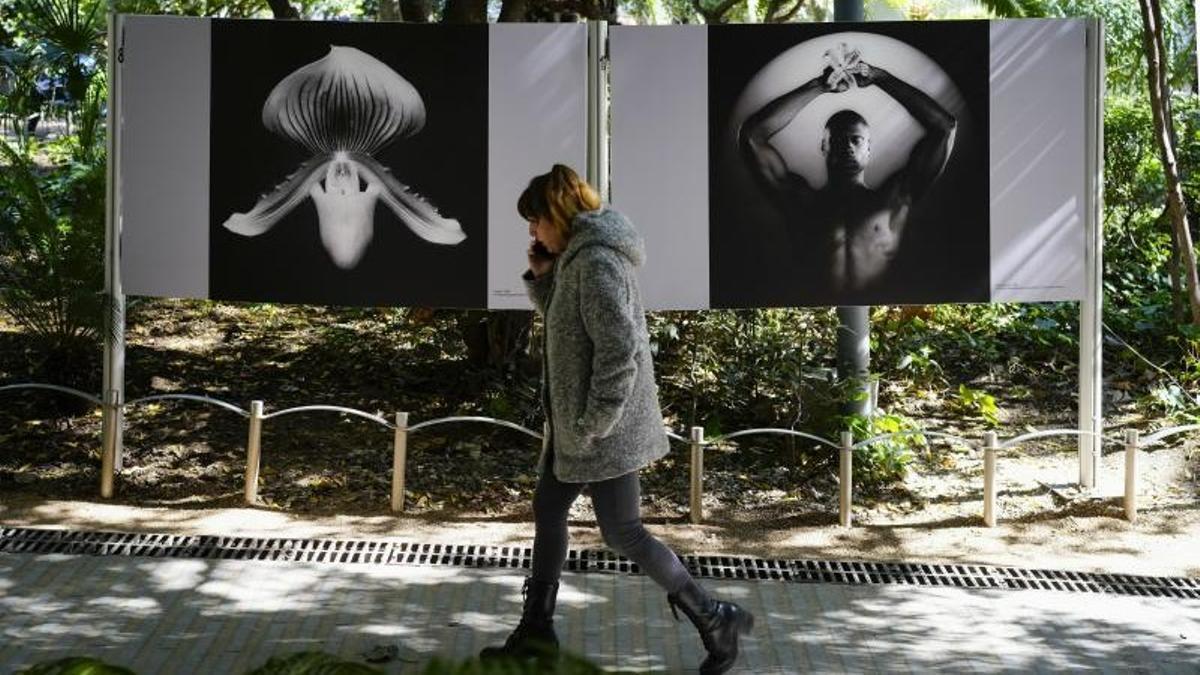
column 557, row 196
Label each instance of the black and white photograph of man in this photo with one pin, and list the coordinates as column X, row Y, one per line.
column 849, row 167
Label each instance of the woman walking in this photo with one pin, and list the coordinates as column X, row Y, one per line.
column 602, row 405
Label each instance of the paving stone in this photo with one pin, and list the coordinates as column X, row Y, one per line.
column 153, row 620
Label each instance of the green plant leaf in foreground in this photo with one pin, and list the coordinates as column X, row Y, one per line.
column 76, row 665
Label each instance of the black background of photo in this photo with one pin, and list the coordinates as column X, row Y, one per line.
column 445, row 162
column 945, row 254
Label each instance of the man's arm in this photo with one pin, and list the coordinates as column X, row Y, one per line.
column 928, row 157
column 754, row 138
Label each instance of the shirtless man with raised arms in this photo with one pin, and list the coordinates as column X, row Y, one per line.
column 850, row 229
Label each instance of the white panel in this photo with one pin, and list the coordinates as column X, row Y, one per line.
column 537, row 100
column 1038, row 132
column 164, row 116
column 659, row 156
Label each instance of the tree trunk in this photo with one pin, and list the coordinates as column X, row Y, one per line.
column 415, row 11
column 1152, row 42
column 465, row 11
column 282, row 9
column 1173, row 270
column 389, row 10
column 715, row 14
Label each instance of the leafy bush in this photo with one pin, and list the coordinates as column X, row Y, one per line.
column 885, row 461
column 977, row 402
column 727, row 369
column 312, row 663
column 76, row 665
column 52, row 264
column 319, row 663
column 561, row 662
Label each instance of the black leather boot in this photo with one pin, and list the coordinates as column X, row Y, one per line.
column 719, row 624
column 534, row 635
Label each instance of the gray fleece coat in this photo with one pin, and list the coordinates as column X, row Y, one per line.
column 598, row 387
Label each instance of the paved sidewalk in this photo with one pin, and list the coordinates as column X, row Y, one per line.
column 227, row 616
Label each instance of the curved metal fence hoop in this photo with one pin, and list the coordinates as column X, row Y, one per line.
column 931, row 434
column 1017, row 440
column 777, row 432
column 1158, row 436
column 331, row 408
column 190, row 397
column 54, row 387
column 485, row 420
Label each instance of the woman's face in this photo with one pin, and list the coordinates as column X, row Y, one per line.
column 541, row 230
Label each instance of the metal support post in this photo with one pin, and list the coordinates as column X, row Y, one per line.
column 114, row 335
column 697, row 478
column 254, row 451
column 597, row 152
column 1091, row 420
column 854, row 323
column 111, row 416
column 846, row 478
column 1131, row 483
column 989, row 478
column 399, row 461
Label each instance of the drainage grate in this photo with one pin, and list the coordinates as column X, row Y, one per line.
column 367, row 552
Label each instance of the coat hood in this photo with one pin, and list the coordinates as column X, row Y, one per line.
column 605, row 227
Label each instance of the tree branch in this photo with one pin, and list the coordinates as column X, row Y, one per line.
column 1152, row 43
column 716, row 14
column 791, row 13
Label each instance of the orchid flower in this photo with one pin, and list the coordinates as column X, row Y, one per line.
column 344, row 108
column 845, row 62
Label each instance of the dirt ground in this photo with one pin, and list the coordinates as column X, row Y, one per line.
column 326, row 475
column 1044, row 522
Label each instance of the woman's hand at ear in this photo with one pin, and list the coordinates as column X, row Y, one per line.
column 540, row 259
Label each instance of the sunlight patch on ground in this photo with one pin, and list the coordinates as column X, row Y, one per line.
column 178, row 575
column 263, row 589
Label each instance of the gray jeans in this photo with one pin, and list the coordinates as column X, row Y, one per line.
column 617, row 502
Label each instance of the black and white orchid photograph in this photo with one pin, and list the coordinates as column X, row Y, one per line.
column 348, row 163
column 849, row 167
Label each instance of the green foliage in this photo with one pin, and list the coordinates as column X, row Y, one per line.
column 885, row 461
column 226, row 9
column 727, row 368
column 318, row 663
column 562, row 662
column 979, row 403
column 1139, row 303
column 312, row 663
column 920, row 365
column 19, row 69
column 87, row 145
column 1171, row 401
column 925, row 10
column 52, row 244
column 72, row 34
column 52, row 263
column 246, row 9
column 75, row 665
column 1125, row 62
column 1019, row 9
